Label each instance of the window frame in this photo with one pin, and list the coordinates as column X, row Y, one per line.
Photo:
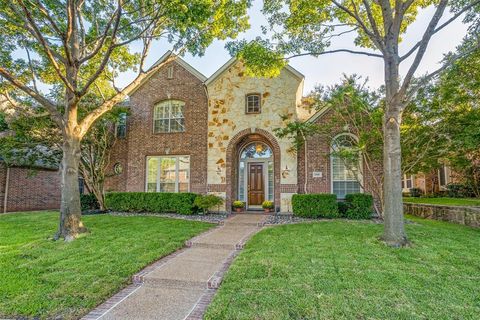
column 121, row 122
column 360, row 177
column 405, row 179
column 158, row 173
column 170, row 118
column 253, row 94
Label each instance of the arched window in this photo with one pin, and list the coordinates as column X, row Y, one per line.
column 345, row 166
column 168, row 116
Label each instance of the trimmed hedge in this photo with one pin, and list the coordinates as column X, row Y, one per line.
column 358, row 206
column 88, row 201
column 182, row 203
column 322, row 205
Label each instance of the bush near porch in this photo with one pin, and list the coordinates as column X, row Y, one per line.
column 181, row 203
column 323, row 205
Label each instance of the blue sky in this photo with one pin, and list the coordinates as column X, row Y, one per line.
column 328, row 69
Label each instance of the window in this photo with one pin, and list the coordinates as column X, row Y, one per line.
column 168, row 117
column 121, row 126
column 407, row 182
column 170, row 72
column 346, row 175
column 252, row 102
column 443, row 176
column 168, row 174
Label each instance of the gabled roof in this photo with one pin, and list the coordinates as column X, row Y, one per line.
column 230, row 62
column 317, row 114
column 178, row 60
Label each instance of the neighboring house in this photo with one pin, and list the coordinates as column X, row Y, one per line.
column 26, row 188
column 430, row 183
column 185, row 132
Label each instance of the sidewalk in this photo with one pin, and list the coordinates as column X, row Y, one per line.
column 181, row 286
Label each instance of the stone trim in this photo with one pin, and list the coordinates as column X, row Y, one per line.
column 288, row 188
column 219, row 187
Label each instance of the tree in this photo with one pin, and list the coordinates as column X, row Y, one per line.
column 305, row 27
column 71, row 46
column 446, row 115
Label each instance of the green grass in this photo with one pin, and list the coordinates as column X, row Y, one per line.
column 339, row 270
column 53, row 279
column 445, row 201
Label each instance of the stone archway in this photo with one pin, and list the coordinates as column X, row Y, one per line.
column 236, row 144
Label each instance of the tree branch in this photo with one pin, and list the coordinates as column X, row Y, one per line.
column 365, row 53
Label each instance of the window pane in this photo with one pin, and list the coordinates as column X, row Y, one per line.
column 270, row 181
column 169, row 117
column 183, row 174
column 167, row 174
column 253, row 103
column 152, row 167
column 241, row 181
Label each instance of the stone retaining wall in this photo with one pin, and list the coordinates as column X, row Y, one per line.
column 469, row 216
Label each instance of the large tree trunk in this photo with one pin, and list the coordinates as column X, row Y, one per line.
column 70, row 211
column 394, row 229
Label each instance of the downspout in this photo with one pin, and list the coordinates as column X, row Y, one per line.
column 306, row 163
column 5, row 196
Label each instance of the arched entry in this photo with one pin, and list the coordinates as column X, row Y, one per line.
column 247, row 141
column 255, row 175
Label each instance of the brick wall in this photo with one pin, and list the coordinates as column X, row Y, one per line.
column 318, row 153
column 30, row 189
column 142, row 142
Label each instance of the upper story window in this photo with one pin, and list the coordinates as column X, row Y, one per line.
column 252, row 103
column 168, row 117
column 121, row 126
column 345, row 166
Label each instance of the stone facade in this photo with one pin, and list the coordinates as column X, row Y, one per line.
column 29, row 189
column 469, row 216
column 218, row 128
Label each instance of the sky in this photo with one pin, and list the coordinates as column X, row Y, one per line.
column 329, row 69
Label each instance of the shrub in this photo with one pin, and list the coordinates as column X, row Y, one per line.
column 238, row 204
column 415, row 192
column 457, row 190
column 358, row 206
column 207, row 202
column 315, row 205
column 267, row 204
column 182, row 203
column 88, row 202
column 342, row 208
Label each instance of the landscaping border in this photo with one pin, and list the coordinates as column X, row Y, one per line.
column 465, row 215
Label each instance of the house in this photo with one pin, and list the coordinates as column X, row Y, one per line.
column 215, row 135
column 433, row 182
column 26, row 188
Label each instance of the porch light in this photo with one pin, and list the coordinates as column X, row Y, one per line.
column 259, row 148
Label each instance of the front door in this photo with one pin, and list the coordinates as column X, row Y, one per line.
column 256, row 187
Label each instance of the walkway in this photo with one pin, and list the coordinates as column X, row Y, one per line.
column 181, row 286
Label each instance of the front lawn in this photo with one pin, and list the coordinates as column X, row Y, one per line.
column 339, row 270
column 47, row 279
column 445, row 201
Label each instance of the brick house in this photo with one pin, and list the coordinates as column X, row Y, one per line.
column 215, row 136
column 28, row 188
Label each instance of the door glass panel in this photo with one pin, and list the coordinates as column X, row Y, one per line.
column 270, row 180
column 241, row 181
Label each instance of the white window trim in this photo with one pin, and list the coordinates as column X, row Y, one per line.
column 405, row 178
column 360, row 164
column 158, row 171
column 170, row 118
column 446, row 172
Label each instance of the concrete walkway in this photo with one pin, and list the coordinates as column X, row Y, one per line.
column 181, row 286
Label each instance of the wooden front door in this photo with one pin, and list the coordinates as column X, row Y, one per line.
column 256, row 187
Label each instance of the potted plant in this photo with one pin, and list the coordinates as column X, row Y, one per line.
column 238, row 205
column 267, row 205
